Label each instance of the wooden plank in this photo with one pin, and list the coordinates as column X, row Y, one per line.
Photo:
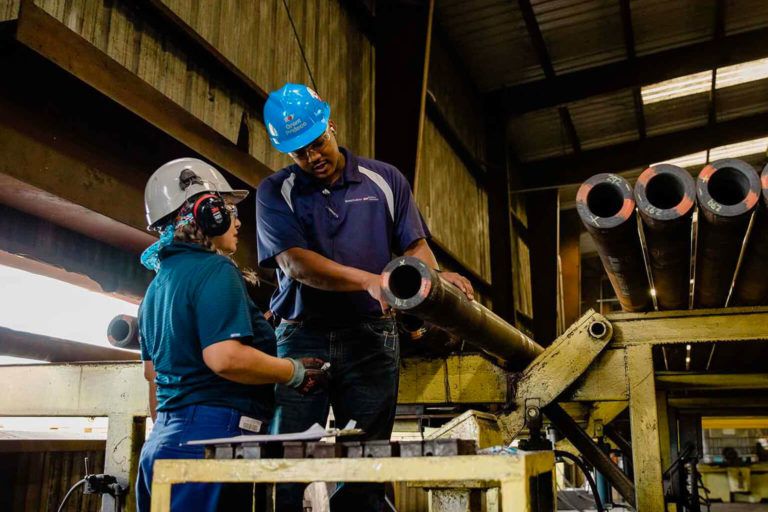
column 46, row 36
column 644, row 424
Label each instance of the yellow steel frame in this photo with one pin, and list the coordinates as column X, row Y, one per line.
column 509, row 473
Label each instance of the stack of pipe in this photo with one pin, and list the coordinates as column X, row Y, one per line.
column 728, row 192
column 751, row 287
column 606, row 206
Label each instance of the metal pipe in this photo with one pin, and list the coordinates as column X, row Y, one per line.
column 751, row 288
column 666, row 196
column 591, row 451
column 123, row 332
column 408, row 284
column 728, row 191
column 55, row 350
column 607, row 209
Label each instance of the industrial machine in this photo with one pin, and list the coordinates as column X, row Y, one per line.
column 512, row 387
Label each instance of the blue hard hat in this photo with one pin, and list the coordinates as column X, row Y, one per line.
column 295, row 116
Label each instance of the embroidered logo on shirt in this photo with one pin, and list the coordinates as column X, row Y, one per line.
column 359, row 199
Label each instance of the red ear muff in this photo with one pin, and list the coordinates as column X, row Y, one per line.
column 211, row 215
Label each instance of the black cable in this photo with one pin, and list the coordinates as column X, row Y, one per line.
column 69, row 493
column 583, row 467
column 301, row 47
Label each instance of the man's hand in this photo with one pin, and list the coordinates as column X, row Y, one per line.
column 310, row 373
column 373, row 287
column 460, row 282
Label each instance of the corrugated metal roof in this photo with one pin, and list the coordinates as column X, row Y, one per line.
column 605, row 120
column 491, row 38
column 580, row 34
column 743, row 15
column 743, row 99
column 664, row 24
column 538, row 135
column 677, row 114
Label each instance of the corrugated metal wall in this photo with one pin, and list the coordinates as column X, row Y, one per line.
column 9, row 9
column 453, row 202
column 258, row 39
column 38, row 481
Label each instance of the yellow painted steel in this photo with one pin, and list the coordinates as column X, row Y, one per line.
column 510, row 473
column 455, row 379
column 697, row 326
column 475, row 425
column 644, row 423
column 559, row 366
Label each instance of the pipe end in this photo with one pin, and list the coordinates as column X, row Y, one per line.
column 406, row 282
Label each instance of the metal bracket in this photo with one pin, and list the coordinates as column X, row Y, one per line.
column 556, row 369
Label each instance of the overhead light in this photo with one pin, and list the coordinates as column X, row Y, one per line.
column 677, row 87
column 688, row 347
column 749, row 147
column 702, row 82
column 653, row 292
column 43, row 305
column 699, row 158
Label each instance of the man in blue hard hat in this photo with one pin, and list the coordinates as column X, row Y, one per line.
column 329, row 224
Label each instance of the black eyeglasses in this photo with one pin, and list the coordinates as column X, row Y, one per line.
column 313, row 147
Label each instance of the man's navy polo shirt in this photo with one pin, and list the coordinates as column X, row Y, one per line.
column 360, row 221
column 198, row 298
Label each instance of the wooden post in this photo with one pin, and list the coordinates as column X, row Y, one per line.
column 570, row 259
column 643, row 416
column 543, row 240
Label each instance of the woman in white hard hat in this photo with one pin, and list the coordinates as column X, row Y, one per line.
column 208, row 353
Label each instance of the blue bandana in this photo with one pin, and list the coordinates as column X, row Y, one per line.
column 150, row 258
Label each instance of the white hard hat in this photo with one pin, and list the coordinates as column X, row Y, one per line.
column 178, row 180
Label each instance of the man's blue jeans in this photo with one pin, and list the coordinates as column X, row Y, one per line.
column 365, row 363
column 167, row 441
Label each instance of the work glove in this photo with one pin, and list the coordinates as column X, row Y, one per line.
column 309, row 373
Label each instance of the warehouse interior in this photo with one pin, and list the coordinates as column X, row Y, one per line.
column 597, row 170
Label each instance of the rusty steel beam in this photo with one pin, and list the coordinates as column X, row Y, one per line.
column 728, row 191
column 666, row 198
column 408, row 284
column 55, row 350
column 751, row 288
column 607, row 209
